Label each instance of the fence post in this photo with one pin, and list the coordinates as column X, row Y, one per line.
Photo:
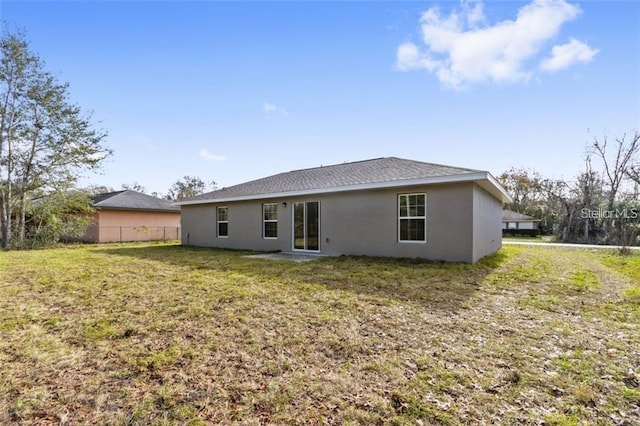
column 121, row 234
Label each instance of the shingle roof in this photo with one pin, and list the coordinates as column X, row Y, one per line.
column 336, row 177
column 132, row 200
column 511, row 216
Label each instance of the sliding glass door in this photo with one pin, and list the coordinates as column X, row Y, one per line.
column 306, row 226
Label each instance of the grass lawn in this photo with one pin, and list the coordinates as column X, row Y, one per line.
column 164, row 334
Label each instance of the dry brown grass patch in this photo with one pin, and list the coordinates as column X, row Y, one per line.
column 163, row 334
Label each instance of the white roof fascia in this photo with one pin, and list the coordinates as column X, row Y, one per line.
column 496, row 191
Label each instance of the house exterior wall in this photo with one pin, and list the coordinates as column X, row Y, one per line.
column 123, row 225
column 366, row 223
column 245, row 226
column 361, row 223
column 487, row 217
column 520, row 225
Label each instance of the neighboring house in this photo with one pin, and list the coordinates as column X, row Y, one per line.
column 133, row 216
column 518, row 224
column 382, row 207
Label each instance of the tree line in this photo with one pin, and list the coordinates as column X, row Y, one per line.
column 186, row 187
column 600, row 206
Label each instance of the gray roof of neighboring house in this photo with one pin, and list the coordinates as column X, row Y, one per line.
column 368, row 174
column 511, row 216
column 132, row 200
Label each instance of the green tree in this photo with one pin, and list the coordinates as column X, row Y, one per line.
column 187, row 187
column 529, row 194
column 45, row 140
column 525, row 188
column 59, row 214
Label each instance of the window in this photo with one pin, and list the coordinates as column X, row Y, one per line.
column 270, row 220
column 412, row 218
column 223, row 222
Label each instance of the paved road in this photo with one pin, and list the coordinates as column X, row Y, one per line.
column 584, row 246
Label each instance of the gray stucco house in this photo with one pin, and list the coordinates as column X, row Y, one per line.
column 381, row 207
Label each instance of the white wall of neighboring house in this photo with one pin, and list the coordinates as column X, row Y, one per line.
column 520, row 225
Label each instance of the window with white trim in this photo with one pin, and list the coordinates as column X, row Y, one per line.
column 412, row 218
column 270, row 220
column 223, row 222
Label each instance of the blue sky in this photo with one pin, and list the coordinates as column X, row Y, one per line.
column 233, row 91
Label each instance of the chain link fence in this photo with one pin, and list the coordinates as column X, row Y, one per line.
column 120, row 234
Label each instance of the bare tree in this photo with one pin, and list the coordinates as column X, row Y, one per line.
column 98, row 189
column 634, row 172
column 618, row 164
column 135, row 186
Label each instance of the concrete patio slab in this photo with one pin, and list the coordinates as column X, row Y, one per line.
column 291, row 257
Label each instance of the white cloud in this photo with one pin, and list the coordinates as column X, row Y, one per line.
column 409, row 57
column 460, row 50
column 206, row 155
column 475, row 13
column 271, row 109
column 565, row 55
